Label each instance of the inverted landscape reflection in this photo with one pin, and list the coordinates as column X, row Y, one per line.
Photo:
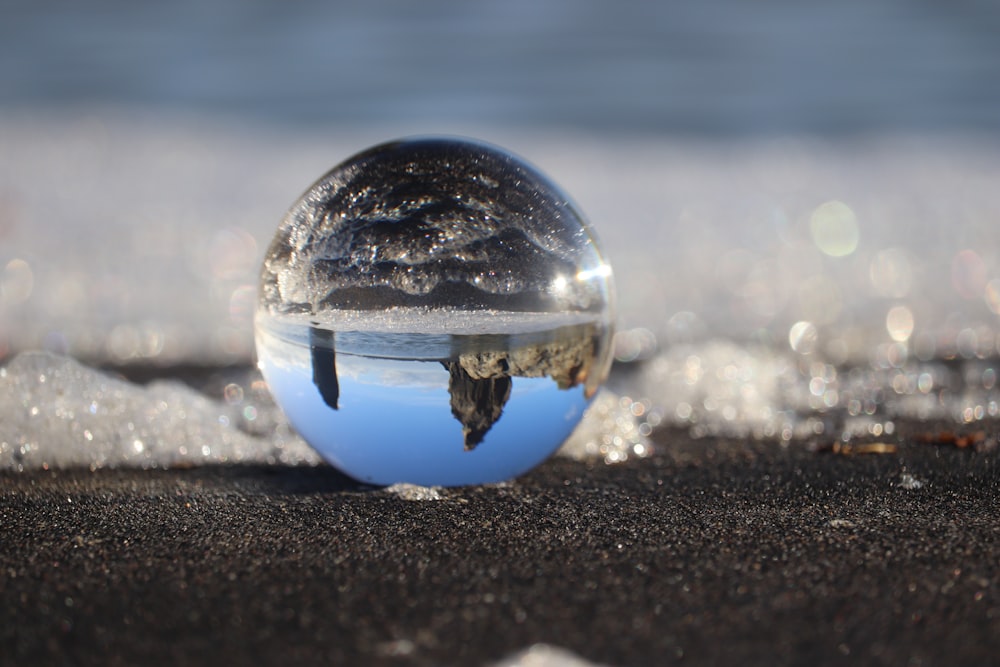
column 384, row 420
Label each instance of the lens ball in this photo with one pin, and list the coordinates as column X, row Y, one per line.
column 434, row 311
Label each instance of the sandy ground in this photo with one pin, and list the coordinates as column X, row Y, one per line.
column 714, row 552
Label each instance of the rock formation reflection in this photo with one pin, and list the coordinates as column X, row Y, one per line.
column 476, row 403
column 480, row 379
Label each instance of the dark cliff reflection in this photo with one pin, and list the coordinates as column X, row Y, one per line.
column 324, row 365
column 477, row 404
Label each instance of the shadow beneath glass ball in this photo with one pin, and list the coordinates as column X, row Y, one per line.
column 277, row 479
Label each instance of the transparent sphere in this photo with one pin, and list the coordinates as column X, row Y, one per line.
column 434, row 311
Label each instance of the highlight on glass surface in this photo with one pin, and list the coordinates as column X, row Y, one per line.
column 434, row 311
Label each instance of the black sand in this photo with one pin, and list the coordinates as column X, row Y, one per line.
column 713, row 553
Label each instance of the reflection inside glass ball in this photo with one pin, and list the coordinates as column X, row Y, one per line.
column 435, row 312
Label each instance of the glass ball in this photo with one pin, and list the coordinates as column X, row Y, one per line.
column 434, row 311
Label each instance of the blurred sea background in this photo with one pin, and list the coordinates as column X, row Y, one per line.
column 800, row 200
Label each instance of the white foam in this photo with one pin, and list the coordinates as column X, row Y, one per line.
column 414, row 492
column 59, row 413
column 614, row 429
column 130, row 238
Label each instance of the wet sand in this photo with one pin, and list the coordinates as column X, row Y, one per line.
column 713, row 552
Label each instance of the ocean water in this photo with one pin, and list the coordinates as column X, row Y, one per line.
column 718, row 67
column 799, row 205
